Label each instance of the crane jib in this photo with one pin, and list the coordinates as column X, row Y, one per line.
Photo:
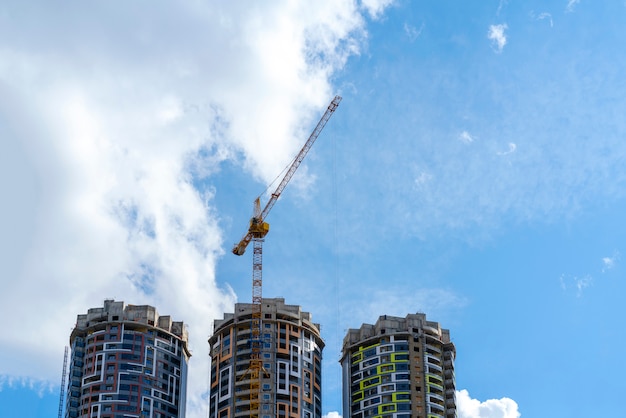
column 240, row 248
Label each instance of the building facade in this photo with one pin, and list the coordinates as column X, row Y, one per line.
column 127, row 361
column 291, row 351
column 398, row 368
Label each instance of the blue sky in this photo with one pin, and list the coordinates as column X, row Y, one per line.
column 474, row 171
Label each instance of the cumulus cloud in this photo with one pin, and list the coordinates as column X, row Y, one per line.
column 473, row 408
column 491, row 408
column 497, row 36
column 375, row 8
column 111, row 121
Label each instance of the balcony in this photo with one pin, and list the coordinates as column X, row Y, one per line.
column 431, row 359
column 431, row 329
column 434, row 369
column 436, row 398
column 434, row 408
column 432, row 349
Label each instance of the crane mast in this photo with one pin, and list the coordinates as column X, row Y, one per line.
column 257, row 231
column 62, row 392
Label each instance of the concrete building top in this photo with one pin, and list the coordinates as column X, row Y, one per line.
column 272, row 309
column 389, row 325
column 118, row 311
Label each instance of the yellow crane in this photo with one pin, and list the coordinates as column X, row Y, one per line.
column 257, row 231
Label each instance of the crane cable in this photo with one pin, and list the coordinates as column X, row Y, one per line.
column 279, row 176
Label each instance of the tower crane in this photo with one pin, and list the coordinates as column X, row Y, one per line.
column 257, row 231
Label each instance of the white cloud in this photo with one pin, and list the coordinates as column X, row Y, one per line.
column 473, row 408
column 570, row 5
column 491, row 408
column 422, row 178
column 466, row 137
column 608, row 263
column 501, row 6
column 109, row 119
column 375, row 8
column 412, row 32
column 511, row 150
column 497, row 36
column 578, row 284
column 542, row 16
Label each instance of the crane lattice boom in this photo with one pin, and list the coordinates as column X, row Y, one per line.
column 258, row 226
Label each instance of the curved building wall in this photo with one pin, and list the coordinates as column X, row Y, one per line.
column 398, row 368
column 291, row 379
column 127, row 361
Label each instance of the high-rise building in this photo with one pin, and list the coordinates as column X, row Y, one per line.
column 291, row 350
column 398, row 368
column 127, row 361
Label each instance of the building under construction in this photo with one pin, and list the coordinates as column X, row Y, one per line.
column 399, row 368
column 127, row 361
column 289, row 383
